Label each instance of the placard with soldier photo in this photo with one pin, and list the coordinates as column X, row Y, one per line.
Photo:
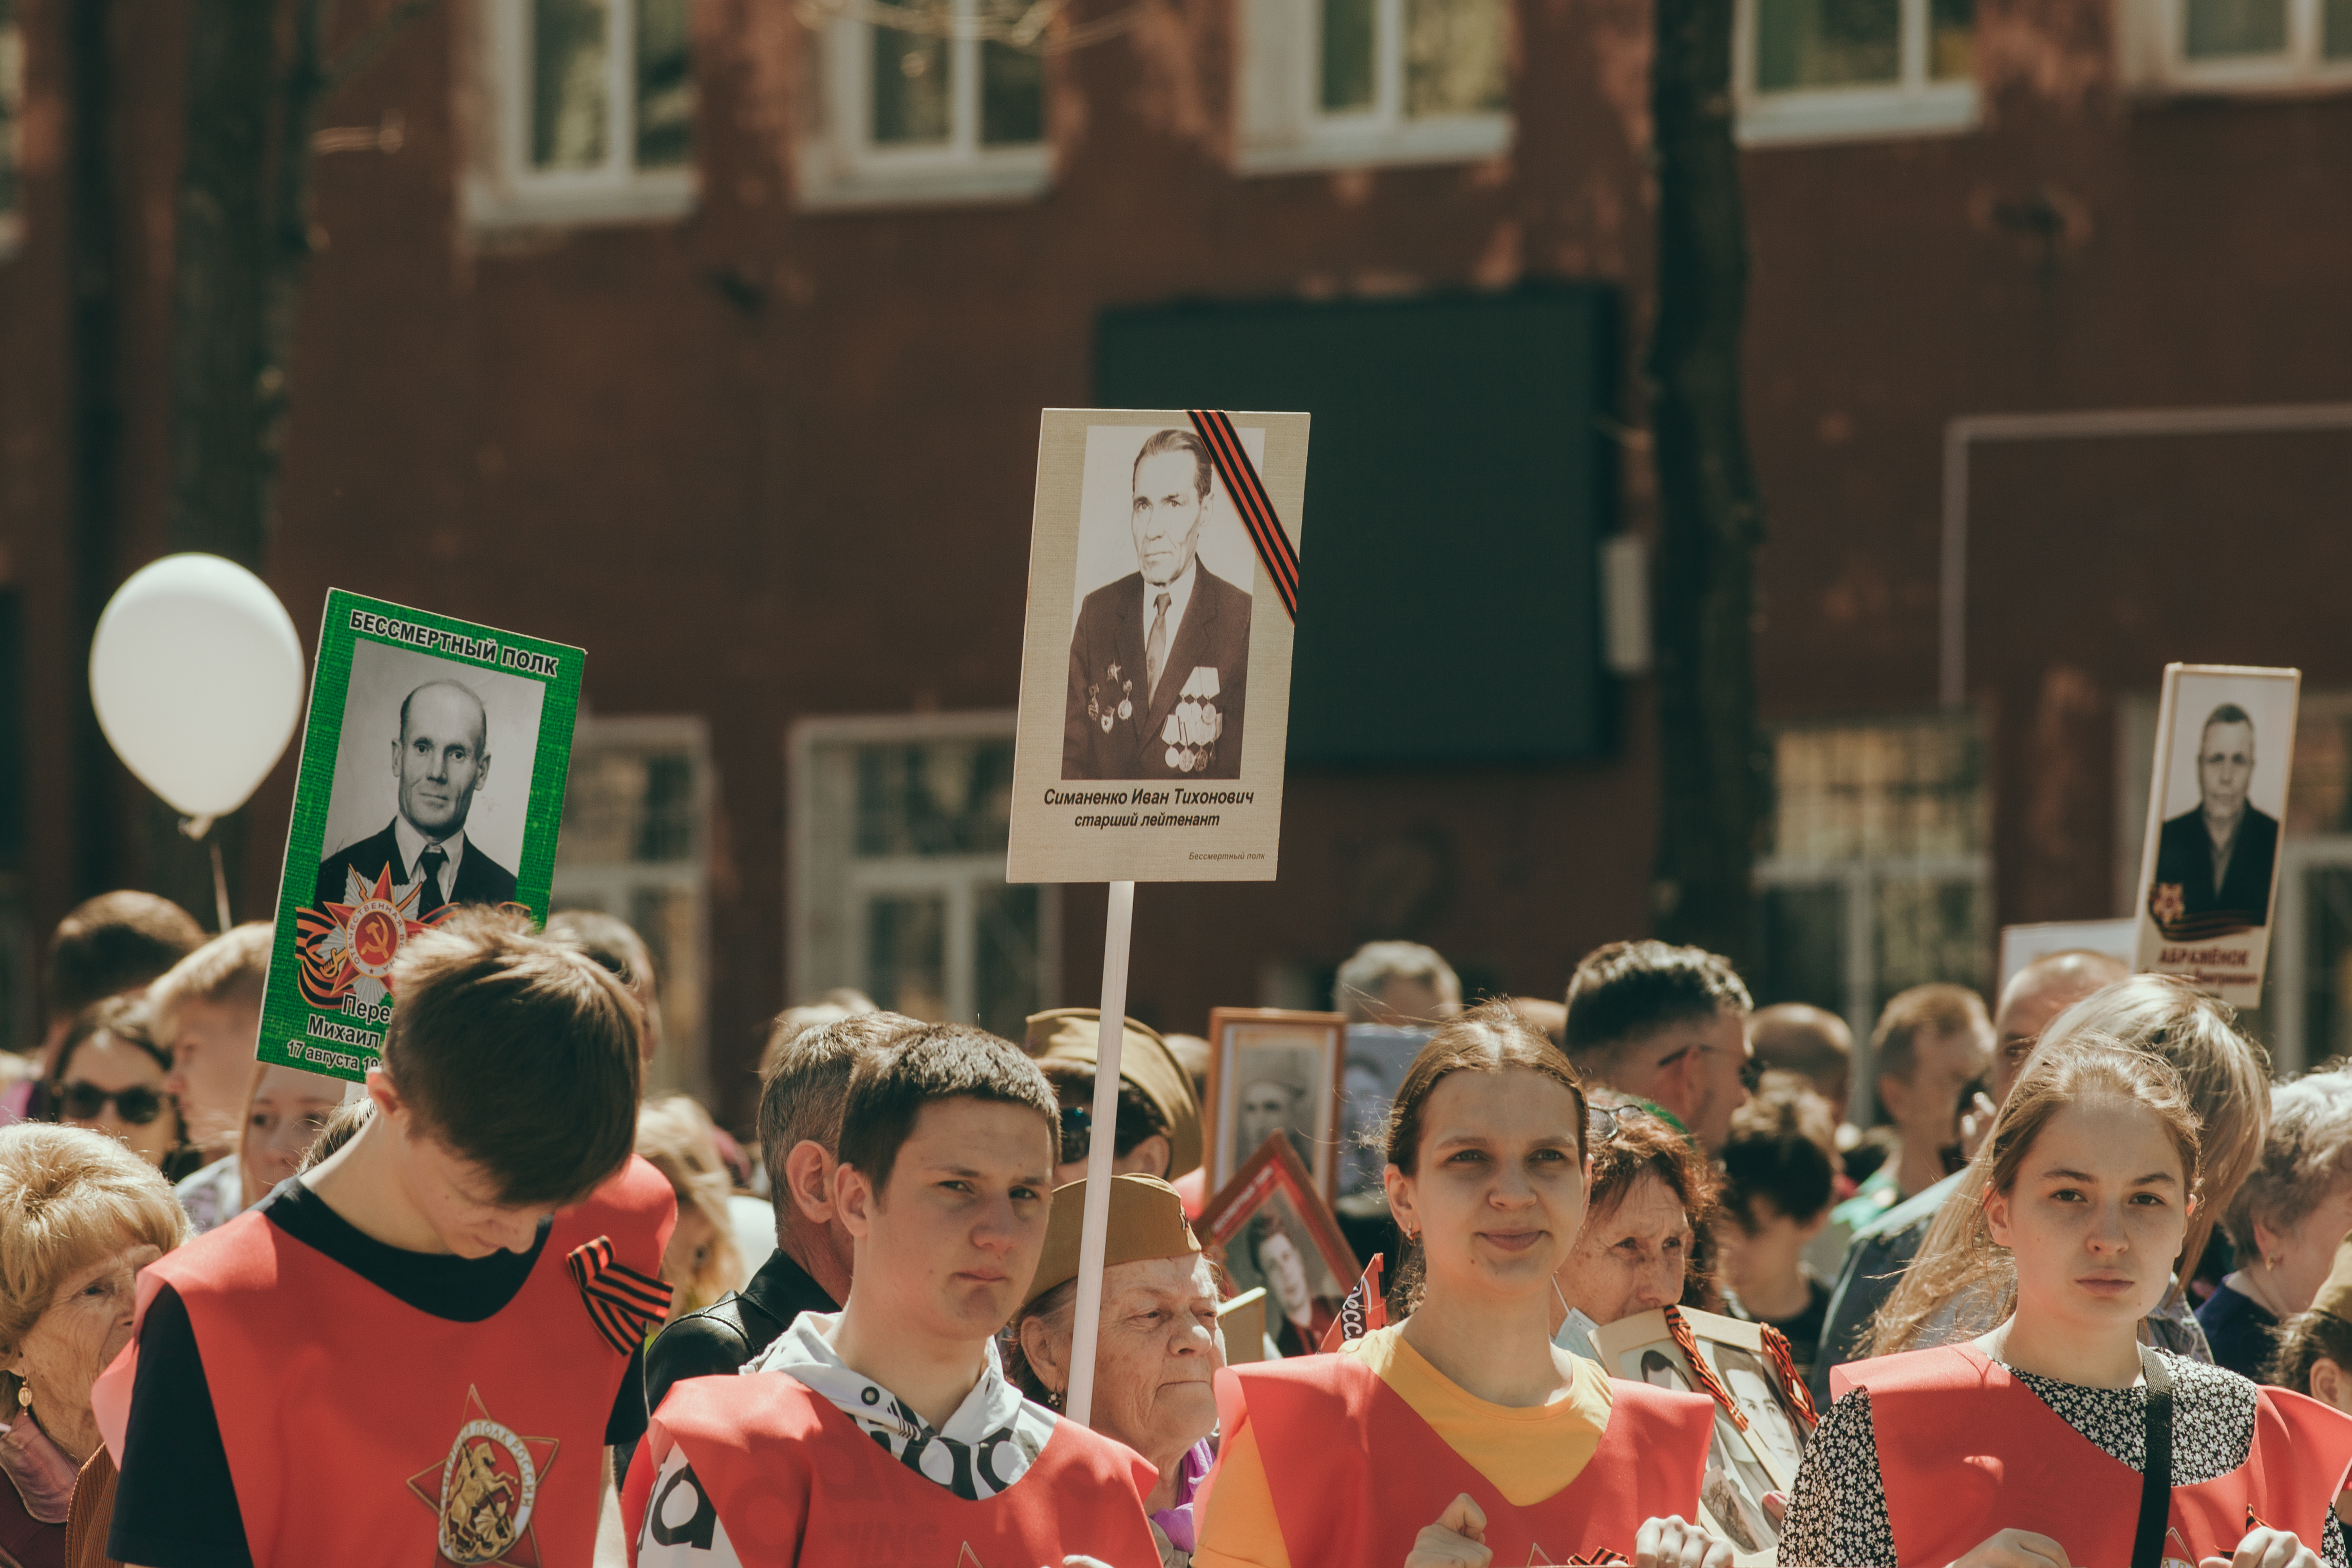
column 432, row 776
column 2209, row 868
column 1155, row 673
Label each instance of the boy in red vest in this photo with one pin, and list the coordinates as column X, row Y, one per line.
column 419, row 1350
column 887, row 1433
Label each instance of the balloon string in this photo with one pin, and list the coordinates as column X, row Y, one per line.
column 220, row 887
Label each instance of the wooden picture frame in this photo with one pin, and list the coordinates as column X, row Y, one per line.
column 1273, row 1201
column 1301, row 1054
column 1743, row 1465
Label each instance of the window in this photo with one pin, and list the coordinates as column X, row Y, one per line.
column 1333, row 83
column 634, row 843
column 2239, row 45
column 1878, row 877
column 898, row 831
column 934, row 113
column 1824, row 69
column 12, row 102
column 590, row 112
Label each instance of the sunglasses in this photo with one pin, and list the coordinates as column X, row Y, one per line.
column 1077, row 1132
column 1601, row 1122
column 83, row 1102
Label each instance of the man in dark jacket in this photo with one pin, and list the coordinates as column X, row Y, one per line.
column 801, row 1095
column 2213, row 864
column 441, row 756
column 1160, row 660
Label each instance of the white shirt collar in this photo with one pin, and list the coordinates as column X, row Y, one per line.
column 413, row 843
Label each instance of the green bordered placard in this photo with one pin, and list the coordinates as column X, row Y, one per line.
column 432, row 776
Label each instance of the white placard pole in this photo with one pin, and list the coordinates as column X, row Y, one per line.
column 1118, row 924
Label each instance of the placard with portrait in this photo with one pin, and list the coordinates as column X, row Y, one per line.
column 1275, row 1070
column 1269, row 1228
column 432, row 776
column 2217, row 806
column 1155, row 672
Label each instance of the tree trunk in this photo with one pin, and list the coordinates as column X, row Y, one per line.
column 221, row 255
column 1710, row 518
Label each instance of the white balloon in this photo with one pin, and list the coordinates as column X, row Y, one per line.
column 197, row 677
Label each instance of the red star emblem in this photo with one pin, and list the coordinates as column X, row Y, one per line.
column 485, row 1491
column 361, row 936
column 2166, row 902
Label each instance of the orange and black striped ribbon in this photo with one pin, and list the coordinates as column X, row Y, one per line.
column 623, row 1304
column 1251, row 500
column 1701, row 1370
column 1784, row 1363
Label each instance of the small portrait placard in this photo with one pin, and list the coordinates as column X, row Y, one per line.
column 1760, row 1429
column 1271, row 1071
column 432, row 775
column 1155, row 669
column 2209, row 869
column 1268, row 1227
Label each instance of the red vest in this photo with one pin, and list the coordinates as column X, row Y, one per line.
column 360, row 1430
column 1966, row 1449
column 1355, row 1472
column 794, row 1482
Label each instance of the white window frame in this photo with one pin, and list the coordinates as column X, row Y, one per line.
column 684, row 1062
column 502, row 190
column 1283, row 126
column 952, row 877
column 842, row 166
column 2153, row 35
column 1916, row 105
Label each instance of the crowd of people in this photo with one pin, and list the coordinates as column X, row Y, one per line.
column 2066, row 1282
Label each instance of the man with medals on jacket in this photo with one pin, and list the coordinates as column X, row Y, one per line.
column 887, row 1433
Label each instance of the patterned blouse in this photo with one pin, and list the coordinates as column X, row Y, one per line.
column 1838, row 1512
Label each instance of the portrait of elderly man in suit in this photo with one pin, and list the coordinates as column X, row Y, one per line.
column 439, row 759
column 1159, row 662
column 2213, row 864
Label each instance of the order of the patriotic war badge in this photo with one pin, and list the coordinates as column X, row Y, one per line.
column 348, row 947
column 1193, row 724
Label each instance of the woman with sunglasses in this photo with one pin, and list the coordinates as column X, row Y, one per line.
column 111, row 1079
column 1462, row 1435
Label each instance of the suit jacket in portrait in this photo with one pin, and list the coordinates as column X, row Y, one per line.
column 2188, row 907
column 481, row 879
column 1207, row 677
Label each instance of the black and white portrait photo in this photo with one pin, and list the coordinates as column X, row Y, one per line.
column 2214, row 861
column 1378, row 1057
column 1273, row 1072
column 1158, row 679
column 432, row 780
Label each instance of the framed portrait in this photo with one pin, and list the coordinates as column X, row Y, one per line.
column 1372, row 1069
column 1272, row 1069
column 1269, row 1228
column 1742, row 1465
column 2209, row 866
column 432, row 776
column 1155, row 665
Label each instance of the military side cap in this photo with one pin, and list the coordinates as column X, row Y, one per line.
column 1147, row 1220
column 2334, row 1297
column 1067, row 1034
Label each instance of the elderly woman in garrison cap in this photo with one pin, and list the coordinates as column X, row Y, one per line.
column 1159, row 1346
column 1159, row 1131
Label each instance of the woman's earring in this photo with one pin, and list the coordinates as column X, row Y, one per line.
column 1054, row 1396
column 24, row 1395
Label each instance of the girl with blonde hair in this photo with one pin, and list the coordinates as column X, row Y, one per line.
column 675, row 1137
column 2056, row 1438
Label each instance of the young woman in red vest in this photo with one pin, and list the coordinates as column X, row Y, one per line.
column 887, row 1433
column 2031, row 1446
column 425, row 1343
column 1462, row 1435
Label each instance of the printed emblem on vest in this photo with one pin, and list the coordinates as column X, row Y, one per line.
column 484, row 1491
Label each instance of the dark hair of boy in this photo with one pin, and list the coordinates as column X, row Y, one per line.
column 937, row 1061
column 517, row 1053
column 1783, row 1149
column 114, row 943
column 806, row 1083
column 1626, row 991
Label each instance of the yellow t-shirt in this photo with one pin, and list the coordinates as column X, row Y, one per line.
column 1526, row 1455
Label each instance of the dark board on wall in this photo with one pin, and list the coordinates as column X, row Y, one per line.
column 1458, row 485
